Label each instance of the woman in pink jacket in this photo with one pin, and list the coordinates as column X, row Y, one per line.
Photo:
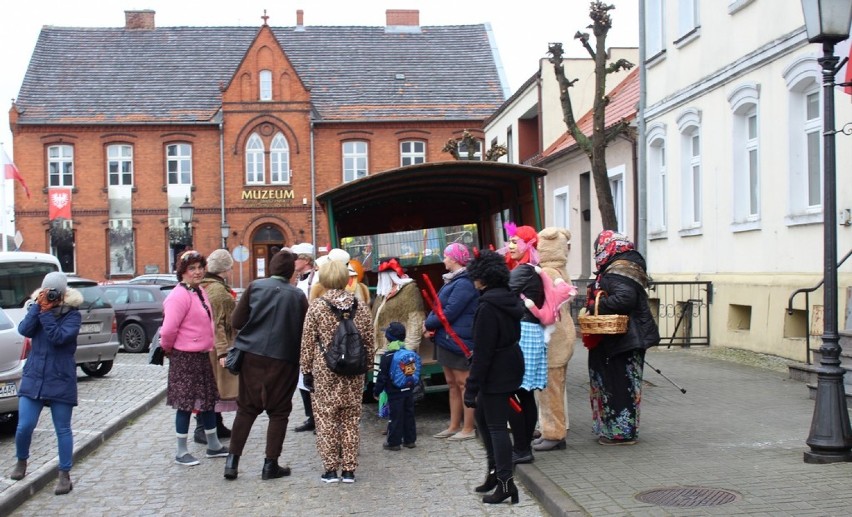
column 187, row 338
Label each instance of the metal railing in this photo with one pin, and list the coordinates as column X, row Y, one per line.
column 807, row 292
column 680, row 308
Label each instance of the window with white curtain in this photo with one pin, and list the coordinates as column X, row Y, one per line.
column 255, row 173
column 657, row 180
column 745, row 156
column 804, row 127
column 279, row 160
column 265, row 85
column 654, row 27
column 690, row 171
column 562, row 207
column 354, row 160
column 687, row 17
column 616, row 186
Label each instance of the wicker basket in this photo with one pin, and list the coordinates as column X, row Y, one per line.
column 607, row 324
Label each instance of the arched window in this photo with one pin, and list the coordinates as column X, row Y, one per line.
column 805, row 141
column 255, row 173
column 745, row 155
column 279, row 160
column 657, row 181
column 689, row 125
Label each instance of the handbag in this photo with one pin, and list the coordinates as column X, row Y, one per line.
column 234, row 360
column 156, row 354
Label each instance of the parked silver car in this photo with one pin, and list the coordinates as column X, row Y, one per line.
column 97, row 344
column 13, row 353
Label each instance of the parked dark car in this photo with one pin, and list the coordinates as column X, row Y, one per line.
column 154, row 279
column 97, row 344
column 138, row 312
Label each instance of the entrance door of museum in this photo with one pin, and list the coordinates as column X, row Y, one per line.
column 267, row 241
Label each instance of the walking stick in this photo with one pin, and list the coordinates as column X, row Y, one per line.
column 664, row 377
column 434, row 304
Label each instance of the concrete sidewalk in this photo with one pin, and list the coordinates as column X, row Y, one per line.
column 737, row 435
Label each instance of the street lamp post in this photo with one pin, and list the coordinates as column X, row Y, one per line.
column 186, row 213
column 830, row 438
column 226, row 231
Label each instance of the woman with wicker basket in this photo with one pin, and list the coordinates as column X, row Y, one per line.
column 617, row 347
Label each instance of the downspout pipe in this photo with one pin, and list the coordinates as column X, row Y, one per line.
column 222, row 177
column 313, row 194
column 641, row 171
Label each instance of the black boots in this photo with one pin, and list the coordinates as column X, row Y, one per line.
column 505, row 489
column 307, row 425
column 19, row 471
column 221, row 431
column 63, row 485
column 231, row 464
column 271, row 469
column 489, row 484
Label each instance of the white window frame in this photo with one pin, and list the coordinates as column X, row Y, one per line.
column 746, row 184
column 265, row 85
column 120, row 165
column 689, row 126
column 803, row 78
column 462, row 148
column 619, row 196
column 279, row 160
column 179, row 164
column 562, row 207
column 687, row 17
column 255, row 166
column 657, row 181
column 60, row 165
column 655, row 32
column 355, row 159
column 412, row 152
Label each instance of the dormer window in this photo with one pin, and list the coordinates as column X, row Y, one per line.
column 265, row 85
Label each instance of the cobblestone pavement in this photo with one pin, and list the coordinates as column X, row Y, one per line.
column 133, row 473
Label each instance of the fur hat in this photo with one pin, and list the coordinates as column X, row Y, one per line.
column 395, row 332
column 55, row 280
column 219, row 261
column 553, row 247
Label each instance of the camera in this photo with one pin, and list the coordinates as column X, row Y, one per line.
column 52, row 295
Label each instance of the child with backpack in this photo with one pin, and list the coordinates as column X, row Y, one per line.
column 399, row 373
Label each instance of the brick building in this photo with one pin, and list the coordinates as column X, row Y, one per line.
column 248, row 125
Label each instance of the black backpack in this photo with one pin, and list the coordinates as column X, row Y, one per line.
column 345, row 355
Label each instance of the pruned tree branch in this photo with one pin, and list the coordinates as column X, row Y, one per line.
column 619, row 65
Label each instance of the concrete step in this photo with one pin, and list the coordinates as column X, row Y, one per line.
column 807, row 373
column 812, row 391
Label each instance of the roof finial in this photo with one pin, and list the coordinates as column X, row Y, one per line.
column 264, row 17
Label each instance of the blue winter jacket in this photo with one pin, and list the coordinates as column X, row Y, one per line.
column 50, row 372
column 459, row 299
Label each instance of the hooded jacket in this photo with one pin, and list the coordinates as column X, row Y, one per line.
column 498, row 363
column 458, row 299
column 50, row 372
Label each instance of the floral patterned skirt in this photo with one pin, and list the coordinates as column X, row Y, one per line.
column 192, row 386
column 615, row 391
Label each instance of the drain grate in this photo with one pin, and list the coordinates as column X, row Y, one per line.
column 687, row 497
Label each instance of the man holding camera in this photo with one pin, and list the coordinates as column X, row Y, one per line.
column 52, row 323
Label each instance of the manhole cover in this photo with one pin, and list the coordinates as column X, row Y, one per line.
column 687, row 497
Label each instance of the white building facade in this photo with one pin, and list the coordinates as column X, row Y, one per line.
column 734, row 165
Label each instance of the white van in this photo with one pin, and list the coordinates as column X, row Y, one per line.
column 21, row 273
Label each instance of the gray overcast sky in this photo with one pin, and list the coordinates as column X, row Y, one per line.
column 521, row 31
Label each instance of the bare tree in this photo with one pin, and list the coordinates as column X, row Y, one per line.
column 594, row 147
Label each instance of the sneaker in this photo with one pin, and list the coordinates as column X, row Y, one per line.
column 330, row 476
column 348, row 476
column 187, row 460
column 217, row 453
column 409, row 445
column 388, row 447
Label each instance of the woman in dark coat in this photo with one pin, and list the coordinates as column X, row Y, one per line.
column 616, row 361
column 496, row 371
column 50, row 374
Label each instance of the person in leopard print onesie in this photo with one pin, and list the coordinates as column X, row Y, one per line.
column 336, row 398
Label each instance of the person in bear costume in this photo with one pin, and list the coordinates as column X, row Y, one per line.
column 553, row 419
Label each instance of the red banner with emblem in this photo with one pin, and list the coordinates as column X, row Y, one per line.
column 59, row 200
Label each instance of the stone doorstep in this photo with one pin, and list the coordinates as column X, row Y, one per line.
column 808, row 373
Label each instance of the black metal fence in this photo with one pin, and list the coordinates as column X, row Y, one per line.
column 682, row 310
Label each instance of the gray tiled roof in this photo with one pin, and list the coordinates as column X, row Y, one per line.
column 173, row 74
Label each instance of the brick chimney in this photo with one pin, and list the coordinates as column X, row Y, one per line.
column 403, row 17
column 139, row 20
column 300, row 20
column 403, row 20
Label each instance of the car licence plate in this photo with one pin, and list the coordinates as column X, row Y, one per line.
column 90, row 328
column 10, row 389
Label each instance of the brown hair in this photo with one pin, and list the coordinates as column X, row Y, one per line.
column 186, row 259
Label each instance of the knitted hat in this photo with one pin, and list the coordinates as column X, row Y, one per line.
column 457, row 252
column 55, row 280
column 219, row 261
column 395, row 331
